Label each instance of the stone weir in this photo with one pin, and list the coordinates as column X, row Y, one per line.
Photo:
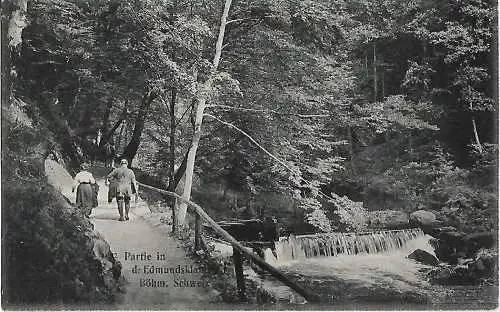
column 333, row 244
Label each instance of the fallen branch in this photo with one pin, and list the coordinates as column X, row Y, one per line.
column 310, row 296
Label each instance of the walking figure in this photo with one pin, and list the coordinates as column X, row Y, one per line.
column 112, row 187
column 109, row 152
column 93, row 151
column 125, row 179
column 86, row 190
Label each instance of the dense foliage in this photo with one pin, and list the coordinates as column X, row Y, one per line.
column 385, row 104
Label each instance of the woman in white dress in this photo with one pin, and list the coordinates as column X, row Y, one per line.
column 85, row 193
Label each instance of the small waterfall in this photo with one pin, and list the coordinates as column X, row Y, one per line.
column 333, row 244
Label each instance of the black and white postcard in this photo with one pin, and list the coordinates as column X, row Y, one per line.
column 249, row 155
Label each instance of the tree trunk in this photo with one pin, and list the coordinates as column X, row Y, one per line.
column 374, row 73
column 190, row 160
column 424, row 51
column 202, row 98
column 173, row 125
column 474, row 130
column 351, row 149
column 178, row 174
column 476, row 136
column 172, row 142
column 12, row 29
column 173, row 122
column 171, row 173
column 120, row 136
column 107, row 135
column 383, row 85
column 106, row 116
column 131, row 149
column 410, row 144
column 382, row 78
column 366, row 63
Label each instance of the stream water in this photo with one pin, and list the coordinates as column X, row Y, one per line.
column 371, row 269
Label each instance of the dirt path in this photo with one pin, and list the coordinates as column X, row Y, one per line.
column 138, row 243
column 133, row 242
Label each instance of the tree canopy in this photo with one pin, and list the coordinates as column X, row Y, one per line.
column 298, row 95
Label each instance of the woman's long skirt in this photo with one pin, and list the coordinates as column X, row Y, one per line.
column 85, row 198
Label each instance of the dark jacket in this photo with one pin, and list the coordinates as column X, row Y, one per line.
column 124, row 179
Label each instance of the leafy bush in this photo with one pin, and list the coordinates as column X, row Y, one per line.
column 315, row 214
column 485, row 167
column 438, row 184
column 416, row 181
column 470, row 210
column 352, row 214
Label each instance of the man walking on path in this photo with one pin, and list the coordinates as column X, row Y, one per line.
column 125, row 178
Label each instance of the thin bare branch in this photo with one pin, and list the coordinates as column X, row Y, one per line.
column 236, row 20
column 281, row 162
column 268, row 111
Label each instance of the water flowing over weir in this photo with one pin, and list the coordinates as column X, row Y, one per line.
column 333, row 244
column 367, row 268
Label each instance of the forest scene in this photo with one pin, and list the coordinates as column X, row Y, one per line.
column 330, row 116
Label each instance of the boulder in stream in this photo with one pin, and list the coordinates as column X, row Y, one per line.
column 424, row 257
column 423, row 219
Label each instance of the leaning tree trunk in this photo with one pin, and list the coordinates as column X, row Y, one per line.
column 476, row 136
column 131, row 149
column 108, row 134
column 474, row 130
column 201, row 101
column 172, row 185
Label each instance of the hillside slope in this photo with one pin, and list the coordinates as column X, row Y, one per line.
column 51, row 254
